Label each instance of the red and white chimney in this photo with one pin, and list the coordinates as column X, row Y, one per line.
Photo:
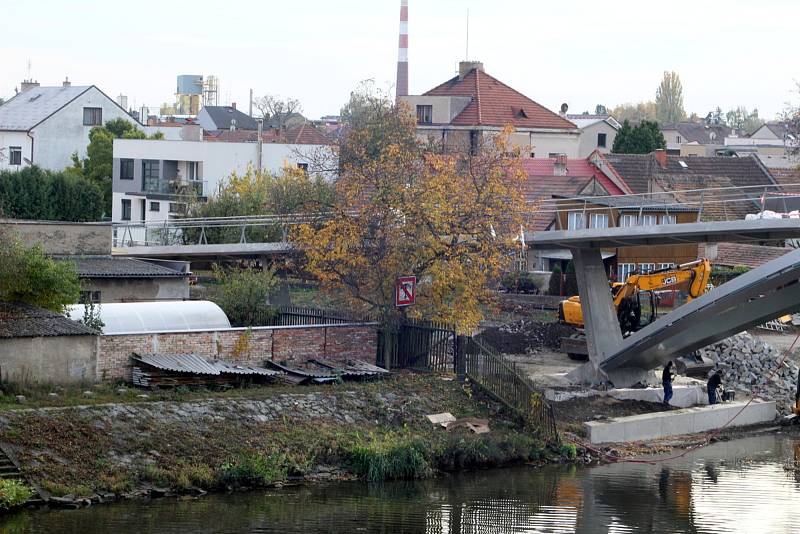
column 402, row 55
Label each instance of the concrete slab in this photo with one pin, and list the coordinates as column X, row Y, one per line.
column 679, row 422
column 682, row 396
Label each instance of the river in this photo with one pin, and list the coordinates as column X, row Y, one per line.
column 749, row 485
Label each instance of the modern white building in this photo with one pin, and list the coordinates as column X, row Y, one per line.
column 597, row 133
column 153, row 178
column 44, row 126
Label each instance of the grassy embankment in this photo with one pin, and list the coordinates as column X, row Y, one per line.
column 66, row 453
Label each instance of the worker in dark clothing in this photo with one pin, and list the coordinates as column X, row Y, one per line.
column 713, row 383
column 666, row 381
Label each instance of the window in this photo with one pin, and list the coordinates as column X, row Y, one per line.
column 628, row 220
column 533, row 154
column 177, row 207
column 666, row 265
column 553, row 155
column 625, row 270
column 155, row 206
column 598, row 220
column 601, row 140
column 15, row 155
column 424, row 114
column 126, row 209
column 150, row 168
column 649, row 220
column 647, row 267
column 126, row 169
column 668, row 219
column 575, row 220
column 677, row 138
column 90, row 297
column 191, row 168
column 92, row 116
column 303, row 167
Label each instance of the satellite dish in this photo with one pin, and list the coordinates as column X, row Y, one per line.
column 564, row 107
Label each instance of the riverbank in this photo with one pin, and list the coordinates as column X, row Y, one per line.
column 274, row 436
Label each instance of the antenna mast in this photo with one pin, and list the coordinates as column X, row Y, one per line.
column 467, row 56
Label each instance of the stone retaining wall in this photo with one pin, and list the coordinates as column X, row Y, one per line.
column 247, row 346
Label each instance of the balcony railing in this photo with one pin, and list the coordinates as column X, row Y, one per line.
column 174, row 186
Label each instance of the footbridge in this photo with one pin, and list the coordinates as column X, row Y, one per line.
column 753, row 298
column 212, row 238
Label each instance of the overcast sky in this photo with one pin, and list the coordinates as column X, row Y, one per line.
column 728, row 53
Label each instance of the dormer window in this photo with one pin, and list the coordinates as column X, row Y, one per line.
column 424, row 114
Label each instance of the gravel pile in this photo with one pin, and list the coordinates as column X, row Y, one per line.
column 746, row 364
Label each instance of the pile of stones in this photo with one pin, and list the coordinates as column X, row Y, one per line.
column 747, row 365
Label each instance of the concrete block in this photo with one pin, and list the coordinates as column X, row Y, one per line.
column 679, row 422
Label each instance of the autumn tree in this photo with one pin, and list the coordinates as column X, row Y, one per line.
column 643, row 138
column 642, row 111
column 669, row 99
column 744, row 121
column 278, row 112
column 449, row 218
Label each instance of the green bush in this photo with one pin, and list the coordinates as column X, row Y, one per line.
column 256, row 469
column 390, row 458
column 34, row 193
column 570, row 281
column 13, row 493
column 519, row 282
column 243, row 294
column 554, row 286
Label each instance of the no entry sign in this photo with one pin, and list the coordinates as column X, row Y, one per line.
column 405, row 290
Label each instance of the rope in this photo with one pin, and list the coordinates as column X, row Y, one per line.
column 704, row 443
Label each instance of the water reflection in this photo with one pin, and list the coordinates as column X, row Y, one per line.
column 738, row 486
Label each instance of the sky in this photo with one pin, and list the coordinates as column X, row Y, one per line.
column 727, row 53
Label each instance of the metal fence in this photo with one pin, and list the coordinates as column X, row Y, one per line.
column 418, row 344
column 499, row 377
column 292, row 316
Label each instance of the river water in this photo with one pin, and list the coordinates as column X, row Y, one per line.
column 749, row 485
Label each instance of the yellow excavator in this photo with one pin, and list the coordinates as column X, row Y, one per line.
column 690, row 278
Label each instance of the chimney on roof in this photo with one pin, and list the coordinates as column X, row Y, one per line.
column 402, row 53
column 661, row 157
column 66, row 83
column 465, row 67
column 27, row 84
column 560, row 166
column 233, row 105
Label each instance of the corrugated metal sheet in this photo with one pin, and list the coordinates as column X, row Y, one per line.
column 194, row 364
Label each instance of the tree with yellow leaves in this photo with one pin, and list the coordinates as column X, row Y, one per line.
column 447, row 216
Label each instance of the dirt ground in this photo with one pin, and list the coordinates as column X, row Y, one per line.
column 601, row 407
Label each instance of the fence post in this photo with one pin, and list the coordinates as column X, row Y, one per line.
column 460, row 357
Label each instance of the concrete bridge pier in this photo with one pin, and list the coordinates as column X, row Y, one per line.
column 601, row 324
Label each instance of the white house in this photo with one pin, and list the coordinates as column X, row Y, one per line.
column 152, row 178
column 46, row 125
column 597, row 133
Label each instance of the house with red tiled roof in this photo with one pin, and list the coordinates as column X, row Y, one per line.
column 465, row 109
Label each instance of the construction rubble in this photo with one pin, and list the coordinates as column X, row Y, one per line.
column 746, row 364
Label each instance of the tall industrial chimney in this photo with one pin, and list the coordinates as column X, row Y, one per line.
column 402, row 57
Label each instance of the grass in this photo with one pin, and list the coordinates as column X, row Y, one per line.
column 74, row 452
column 13, row 493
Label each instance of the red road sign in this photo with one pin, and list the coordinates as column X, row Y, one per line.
column 405, row 290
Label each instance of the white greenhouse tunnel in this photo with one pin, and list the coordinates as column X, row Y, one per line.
column 145, row 317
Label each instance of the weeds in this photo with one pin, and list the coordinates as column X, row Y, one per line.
column 389, row 458
column 256, row 469
column 13, row 493
column 60, row 490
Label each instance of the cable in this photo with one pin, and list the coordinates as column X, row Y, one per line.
column 707, row 441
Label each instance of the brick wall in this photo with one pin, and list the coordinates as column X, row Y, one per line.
column 249, row 347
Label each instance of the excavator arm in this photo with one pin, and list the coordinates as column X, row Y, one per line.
column 694, row 276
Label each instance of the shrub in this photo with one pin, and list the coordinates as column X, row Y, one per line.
column 13, row 493
column 554, row 286
column 255, row 469
column 34, row 193
column 389, row 458
column 519, row 282
column 570, row 281
column 243, row 294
